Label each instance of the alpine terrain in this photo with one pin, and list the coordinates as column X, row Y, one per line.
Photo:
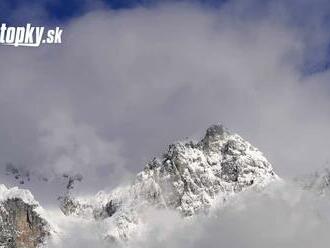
column 190, row 178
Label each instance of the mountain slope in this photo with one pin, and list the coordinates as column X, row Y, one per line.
column 188, row 178
column 21, row 226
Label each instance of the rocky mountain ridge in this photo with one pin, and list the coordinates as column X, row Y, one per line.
column 188, row 178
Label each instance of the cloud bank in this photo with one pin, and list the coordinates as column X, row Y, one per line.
column 282, row 215
column 124, row 84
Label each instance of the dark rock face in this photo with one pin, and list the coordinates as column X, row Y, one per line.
column 68, row 204
column 20, row 225
column 106, row 211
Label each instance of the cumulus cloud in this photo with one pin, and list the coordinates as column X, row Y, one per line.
column 67, row 148
column 282, row 216
column 125, row 84
column 133, row 81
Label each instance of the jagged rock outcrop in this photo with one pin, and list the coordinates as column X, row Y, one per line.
column 188, row 178
column 20, row 224
column 318, row 182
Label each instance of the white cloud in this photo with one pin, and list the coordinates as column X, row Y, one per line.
column 124, row 84
column 282, row 216
column 142, row 78
column 67, row 147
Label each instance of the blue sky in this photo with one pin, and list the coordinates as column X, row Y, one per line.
column 304, row 15
column 64, row 10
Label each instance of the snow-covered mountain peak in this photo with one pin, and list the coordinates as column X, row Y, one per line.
column 214, row 137
column 188, row 178
column 190, row 175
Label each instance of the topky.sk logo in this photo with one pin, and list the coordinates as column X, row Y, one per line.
column 29, row 36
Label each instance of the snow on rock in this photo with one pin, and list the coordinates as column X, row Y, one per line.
column 188, row 178
column 318, row 182
column 15, row 192
column 21, row 224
